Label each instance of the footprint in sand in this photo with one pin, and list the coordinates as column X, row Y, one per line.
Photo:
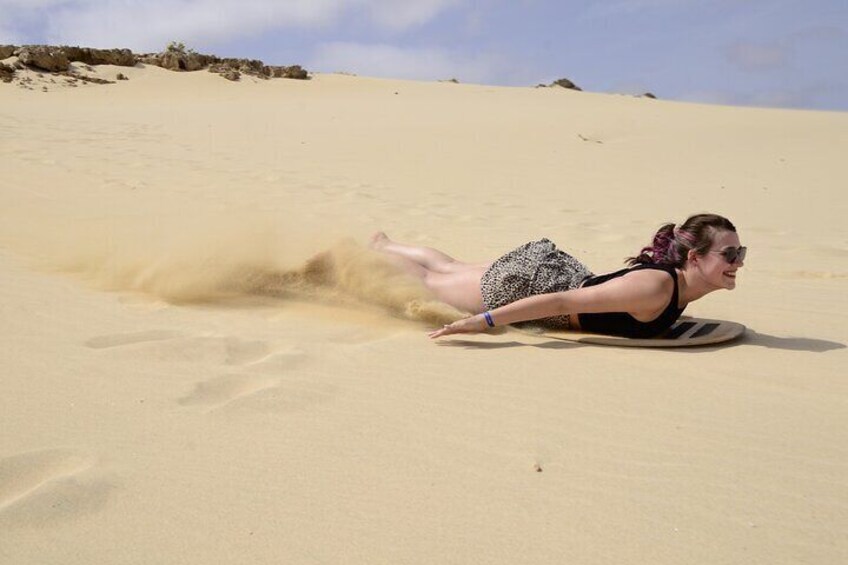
column 220, row 391
column 265, row 374
column 175, row 346
column 257, row 393
column 276, row 363
column 43, row 487
column 117, row 340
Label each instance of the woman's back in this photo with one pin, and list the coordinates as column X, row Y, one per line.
column 624, row 324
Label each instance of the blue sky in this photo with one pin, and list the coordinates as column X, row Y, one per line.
column 778, row 53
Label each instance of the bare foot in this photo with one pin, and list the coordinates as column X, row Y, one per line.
column 379, row 240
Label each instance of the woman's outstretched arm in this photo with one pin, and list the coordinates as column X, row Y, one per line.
column 635, row 292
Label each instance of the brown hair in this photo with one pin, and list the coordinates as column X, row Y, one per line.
column 671, row 245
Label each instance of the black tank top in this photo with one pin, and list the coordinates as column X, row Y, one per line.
column 622, row 323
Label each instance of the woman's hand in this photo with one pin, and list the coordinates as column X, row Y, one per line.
column 472, row 325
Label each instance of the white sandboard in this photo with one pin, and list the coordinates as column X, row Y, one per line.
column 686, row 332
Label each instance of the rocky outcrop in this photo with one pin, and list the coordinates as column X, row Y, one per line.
column 253, row 67
column 89, row 56
column 565, row 83
column 294, row 71
column 648, row 95
column 175, row 57
column 7, row 72
column 177, row 61
column 43, row 57
column 83, row 78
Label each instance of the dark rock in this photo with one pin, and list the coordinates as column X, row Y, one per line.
column 256, row 68
column 565, row 83
column 294, row 71
column 147, row 59
column 175, row 57
column 45, row 57
column 94, row 80
column 7, row 72
column 121, row 76
column 252, row 67
column 182, row 61
column 73, row 77
column 649, row 95
column 89, row 56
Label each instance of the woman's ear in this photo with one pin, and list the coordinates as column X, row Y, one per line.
column 692, row 256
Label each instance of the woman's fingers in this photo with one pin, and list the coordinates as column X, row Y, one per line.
column 444, row 330
column 465, row 326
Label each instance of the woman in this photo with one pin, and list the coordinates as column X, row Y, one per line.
column 538, row 282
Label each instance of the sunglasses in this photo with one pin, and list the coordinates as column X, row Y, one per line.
column 733, row 254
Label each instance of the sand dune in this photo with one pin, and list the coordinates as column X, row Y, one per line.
column 202, row 363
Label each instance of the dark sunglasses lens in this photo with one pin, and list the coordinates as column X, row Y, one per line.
column 734, row 254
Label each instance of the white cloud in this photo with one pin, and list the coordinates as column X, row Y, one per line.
column 397, row 62
column 395, row 15
column 150, row 24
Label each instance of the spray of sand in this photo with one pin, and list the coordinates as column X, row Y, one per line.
column 224, row 258
column 348, row 271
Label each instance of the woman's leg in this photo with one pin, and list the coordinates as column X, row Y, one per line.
column 460, row 289
column 452, row 282
column 429, row 258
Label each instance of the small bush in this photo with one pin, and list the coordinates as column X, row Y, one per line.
column 180, row 48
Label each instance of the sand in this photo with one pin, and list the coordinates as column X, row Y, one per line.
column 179, row 385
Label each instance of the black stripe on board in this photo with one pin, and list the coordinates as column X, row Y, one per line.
column 679, row 330
column 706, row 329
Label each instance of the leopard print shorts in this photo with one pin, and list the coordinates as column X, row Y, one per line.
column 537, row 267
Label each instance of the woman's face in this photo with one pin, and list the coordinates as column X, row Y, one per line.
column 714, row 267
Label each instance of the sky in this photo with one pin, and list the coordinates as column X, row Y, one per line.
column 772, row 53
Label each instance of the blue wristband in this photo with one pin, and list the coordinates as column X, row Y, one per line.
column 489, row 320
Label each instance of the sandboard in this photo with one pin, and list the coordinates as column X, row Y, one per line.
column 686, row 332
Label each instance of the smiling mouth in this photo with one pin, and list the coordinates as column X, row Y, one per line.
column 731, row 275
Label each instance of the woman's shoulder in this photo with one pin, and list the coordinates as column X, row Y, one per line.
column 641, row 272
column 642, row 281
column 657, row 278
column 656, row 283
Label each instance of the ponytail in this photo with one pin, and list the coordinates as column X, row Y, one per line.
column 658, row 252
column 671, row 245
